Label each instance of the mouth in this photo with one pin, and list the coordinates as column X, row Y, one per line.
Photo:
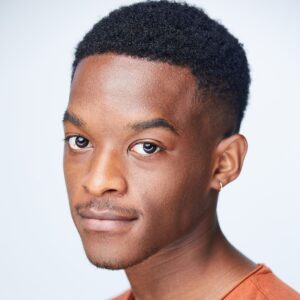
column 105, row 221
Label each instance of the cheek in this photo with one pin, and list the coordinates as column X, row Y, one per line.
column 74, row 169
column 171, row 199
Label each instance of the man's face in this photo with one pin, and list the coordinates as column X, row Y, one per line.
column 138, row 168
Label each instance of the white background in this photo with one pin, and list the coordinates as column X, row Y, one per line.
column 41, row 256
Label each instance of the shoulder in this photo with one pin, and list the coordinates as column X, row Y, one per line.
column 262, row 284
column 124, row 296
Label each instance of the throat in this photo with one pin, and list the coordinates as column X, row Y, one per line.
column 202, row 268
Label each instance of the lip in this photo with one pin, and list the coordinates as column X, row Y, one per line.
column 105, row 221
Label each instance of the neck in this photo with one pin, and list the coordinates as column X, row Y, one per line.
column 190, row 268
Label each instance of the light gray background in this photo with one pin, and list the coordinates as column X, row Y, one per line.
column 41, row 253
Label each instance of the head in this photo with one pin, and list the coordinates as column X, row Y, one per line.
column 158, row 93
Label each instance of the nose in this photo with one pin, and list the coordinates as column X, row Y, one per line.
column 105, row 175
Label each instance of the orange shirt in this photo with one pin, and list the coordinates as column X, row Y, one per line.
column 260, row 284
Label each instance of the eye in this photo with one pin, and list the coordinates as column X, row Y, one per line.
column 77, row 142
column 146, row 148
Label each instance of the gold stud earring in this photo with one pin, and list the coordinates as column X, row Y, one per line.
column 221, row 185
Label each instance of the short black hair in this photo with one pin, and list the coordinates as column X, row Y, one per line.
column 178, row 34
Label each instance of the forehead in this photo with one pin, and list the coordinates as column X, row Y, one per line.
column 119, row 84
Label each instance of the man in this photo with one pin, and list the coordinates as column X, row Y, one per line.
column 157, row 97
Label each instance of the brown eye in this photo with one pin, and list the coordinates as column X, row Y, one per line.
column 77, row 142
column 81, row 142
column 149, row 148
column 146, row 148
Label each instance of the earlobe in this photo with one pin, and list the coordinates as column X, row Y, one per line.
column 228, row 160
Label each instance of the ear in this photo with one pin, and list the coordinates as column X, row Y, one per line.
column 228, row 160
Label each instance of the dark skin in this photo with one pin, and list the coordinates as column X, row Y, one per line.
column 148, row 150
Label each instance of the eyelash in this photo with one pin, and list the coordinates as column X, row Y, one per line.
column 67, row 140
column 160, row 149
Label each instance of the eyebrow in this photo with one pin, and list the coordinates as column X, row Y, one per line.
column 153, row 123
column 74, row 119
column 137, row 126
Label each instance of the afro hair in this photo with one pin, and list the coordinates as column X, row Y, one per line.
column 178, row 34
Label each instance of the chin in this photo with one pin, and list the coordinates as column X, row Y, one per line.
column 110, row 264
column 117, row 256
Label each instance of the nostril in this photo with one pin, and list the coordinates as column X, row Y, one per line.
column 106, row 185
column 111, row 190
